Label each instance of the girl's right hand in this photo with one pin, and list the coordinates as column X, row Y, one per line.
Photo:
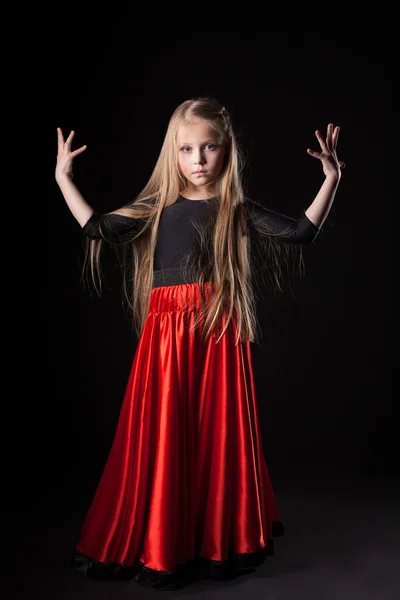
column 64, row 155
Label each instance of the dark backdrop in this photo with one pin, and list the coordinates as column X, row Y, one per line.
column 323, row 367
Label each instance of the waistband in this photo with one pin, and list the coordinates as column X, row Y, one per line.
column 171, row 298
column 169, row 276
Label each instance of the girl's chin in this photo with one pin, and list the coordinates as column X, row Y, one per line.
column 202, row 182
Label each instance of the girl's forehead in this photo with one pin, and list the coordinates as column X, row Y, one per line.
column 195, row 129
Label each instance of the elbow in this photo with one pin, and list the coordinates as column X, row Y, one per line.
column 313, row 236
column 91, row 232
column 311, row 233
column 91, row 228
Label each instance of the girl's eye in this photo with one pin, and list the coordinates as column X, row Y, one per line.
column 187, row 149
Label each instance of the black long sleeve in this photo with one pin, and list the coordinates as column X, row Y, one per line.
column 294, row 231
column 112, row 228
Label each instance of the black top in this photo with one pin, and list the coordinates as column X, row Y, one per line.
column 178, row 235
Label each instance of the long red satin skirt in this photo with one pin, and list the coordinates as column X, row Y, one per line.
column 185, row 489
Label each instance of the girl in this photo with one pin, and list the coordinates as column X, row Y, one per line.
column 185, row 489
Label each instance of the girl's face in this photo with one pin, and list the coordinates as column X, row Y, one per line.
column 201, row 155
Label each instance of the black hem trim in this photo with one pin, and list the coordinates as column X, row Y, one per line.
column 195, row 569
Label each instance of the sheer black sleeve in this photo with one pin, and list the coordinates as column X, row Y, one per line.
column 112, row 228
column 291, row 230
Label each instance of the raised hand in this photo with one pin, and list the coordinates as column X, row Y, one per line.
column 330, row 163
column 65, row 156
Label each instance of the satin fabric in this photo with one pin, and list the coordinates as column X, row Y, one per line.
column 186, row 476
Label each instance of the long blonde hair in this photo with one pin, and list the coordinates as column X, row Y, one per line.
column 225, row 256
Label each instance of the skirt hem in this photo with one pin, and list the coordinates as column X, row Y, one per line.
column 193, row 570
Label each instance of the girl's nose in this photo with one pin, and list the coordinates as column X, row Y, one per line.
column 199, row 159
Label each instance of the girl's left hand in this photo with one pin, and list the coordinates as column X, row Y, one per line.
column 330, row 163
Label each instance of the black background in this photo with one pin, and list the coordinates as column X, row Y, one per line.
column 323, row 369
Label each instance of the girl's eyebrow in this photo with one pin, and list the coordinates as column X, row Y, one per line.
column 205, row 142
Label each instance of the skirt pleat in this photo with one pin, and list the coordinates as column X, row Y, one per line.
column 185, row 490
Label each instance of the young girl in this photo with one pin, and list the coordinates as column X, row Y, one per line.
column 186, row 490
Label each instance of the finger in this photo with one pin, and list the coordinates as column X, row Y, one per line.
column 321, row 140
column 60, row 138
column 329, row 136
column 78, row 151
column 313, row 153
column 69, row 139
column 335, row 136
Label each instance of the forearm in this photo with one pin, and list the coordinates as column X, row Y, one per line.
column 78, row 206
column 319, row 209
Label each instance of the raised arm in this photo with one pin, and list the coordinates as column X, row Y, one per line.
column 322, row 203
column 305, row 228
column 110, row 227
column 78, row 206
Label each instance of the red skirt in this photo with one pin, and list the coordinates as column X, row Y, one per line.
column 185, row 491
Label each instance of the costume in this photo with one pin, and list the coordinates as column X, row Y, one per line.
column 185, row 490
